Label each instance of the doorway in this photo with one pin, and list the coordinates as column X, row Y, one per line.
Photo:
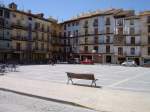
column 108, row 59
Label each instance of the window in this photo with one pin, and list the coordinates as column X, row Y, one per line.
column 148, row 39
column 86, row 31
column 86, row 48
column 96, row 39
column 42, row 46
column 68, row 41
column 69, row 33
column 132, row 40
column 96, row 49
column 64, row 34
column 149, row 29
column 148, row 19
column 86, row 24
column 132, row 51
column 120, row 22
column 108, row 39
column 72, row 24
column 120, row 51
column 86, row 40
column 95, row 22
column 48, row 29
column 42, row 36
column 132, row 22
column 107, row 49
column 77, row 33
column 18, row 46
column 108, row 30
column 77, row 23
column 29, row 46
column 7, row 33
column 1, row 12
column 120, row 31
column 30, row 18
column 14, row 15
column 1, row 22
column 107, row 21
column 64, row 41
column 96, row 31
column 65, row 27
column 68, row 24
column 148, row 50
column 37, row 26
column 8, row 45
column 6, row 14
column 36, row 45
column 132, row 31
column 42, row 27
column 6, row 22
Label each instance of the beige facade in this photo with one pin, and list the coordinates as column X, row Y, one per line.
column 145, row 19
column 31, row 36
column 110, row 36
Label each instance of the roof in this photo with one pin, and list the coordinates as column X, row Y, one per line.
column 133, row 17
column 30, row 14
column 115, row 12
column 145, row 13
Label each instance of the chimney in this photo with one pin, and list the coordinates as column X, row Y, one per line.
column 12, row 6
column 29, row 11
column 41, row 15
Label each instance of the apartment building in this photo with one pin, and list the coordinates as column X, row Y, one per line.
column 145, row 33
column 92, row 35
column 109, row 36
column 5, row 36
column 30, row 35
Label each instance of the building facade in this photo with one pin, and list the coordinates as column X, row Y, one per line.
column 110, row 36
column 30, row 36
column 5, row 35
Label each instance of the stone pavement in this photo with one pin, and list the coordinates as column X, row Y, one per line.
column 101, row 99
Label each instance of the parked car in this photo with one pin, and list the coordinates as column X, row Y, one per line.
column 129, row 63
column 147, row 64
column 87, row 61
column 74, row 61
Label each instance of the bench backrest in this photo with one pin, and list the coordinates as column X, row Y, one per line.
column 81, row 76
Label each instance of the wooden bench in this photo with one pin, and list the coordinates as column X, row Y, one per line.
column 81, row 76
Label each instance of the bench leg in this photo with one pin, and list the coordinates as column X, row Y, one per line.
column 93, row 82
column 69, row 79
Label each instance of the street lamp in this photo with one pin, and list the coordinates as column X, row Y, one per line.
column 93, row 51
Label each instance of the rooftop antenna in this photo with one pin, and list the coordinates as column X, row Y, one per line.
column 110, row 4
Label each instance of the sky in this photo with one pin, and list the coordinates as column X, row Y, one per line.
column 65, row 9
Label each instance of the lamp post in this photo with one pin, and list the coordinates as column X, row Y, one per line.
column 93, row 51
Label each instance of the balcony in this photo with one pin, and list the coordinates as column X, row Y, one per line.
column 19, row 26
column 22, row 49
column 85, row 26
column 148, row 20
column 133, row 44
column 40, row 50
column 107, row 23
column 95, row 24
column 21, row 38
column 5, row 49
column 135, row 54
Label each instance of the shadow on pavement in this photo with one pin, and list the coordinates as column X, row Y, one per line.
column 88, row 85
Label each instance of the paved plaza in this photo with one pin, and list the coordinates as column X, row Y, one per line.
column 122, row 89
column 10, row 102
column 110, row 76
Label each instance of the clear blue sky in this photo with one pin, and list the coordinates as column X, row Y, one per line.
column 65, row 9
